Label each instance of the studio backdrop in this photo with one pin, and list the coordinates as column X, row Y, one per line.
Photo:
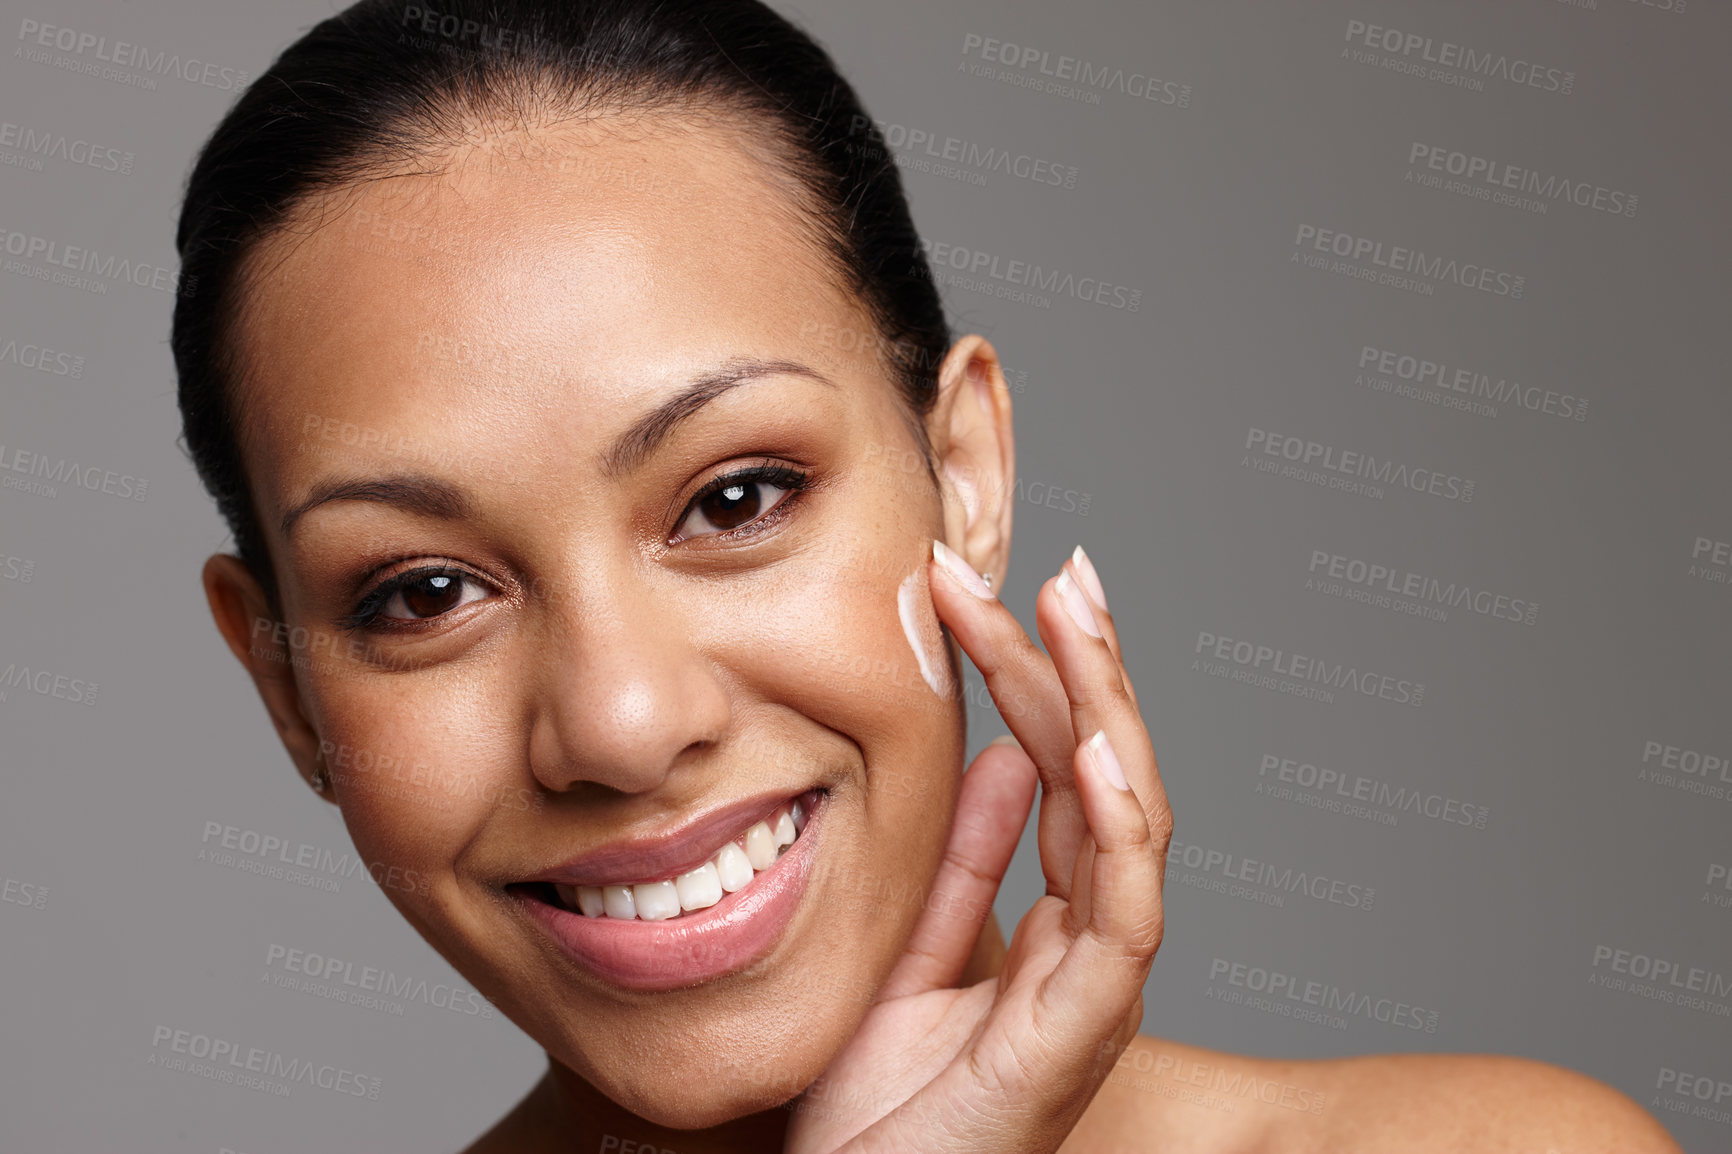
column 1377, row 353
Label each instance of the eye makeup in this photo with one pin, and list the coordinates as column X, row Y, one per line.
column 734, row 506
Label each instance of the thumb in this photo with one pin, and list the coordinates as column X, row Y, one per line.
column 997, row 794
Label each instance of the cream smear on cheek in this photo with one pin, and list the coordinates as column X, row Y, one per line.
column 920, row 626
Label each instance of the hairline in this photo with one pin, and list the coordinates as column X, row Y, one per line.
column 761, row 135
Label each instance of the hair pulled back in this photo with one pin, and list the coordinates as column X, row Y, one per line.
column 384, row 85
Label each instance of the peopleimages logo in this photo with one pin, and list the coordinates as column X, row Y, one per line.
column 1359, row 796
column 1662, row 980
column 57, row 255
column 60, row 470
column 1324, row 996
column 1467, row 389
column 41, row 358
column 1275, row 668
column 1712, row 1096
column 1486, row 179
column 1070, row 76
column 1397, row 265
column 47, row 683
column 1719, row 878
column 1416, row 51
column 345, row 981
column 227, row 1061
column 1691, row 770
column 1354, row 579
column 88, row 48
column 1238, row 868
column 1347, row 469
column 1711, row 561
column 1023, row 281
column 34, row 145
column 298, row 862
column 971, row 160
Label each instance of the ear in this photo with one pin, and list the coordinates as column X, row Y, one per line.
column 262, row 645
column 970, row 432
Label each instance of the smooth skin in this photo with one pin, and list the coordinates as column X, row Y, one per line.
column 485, row 353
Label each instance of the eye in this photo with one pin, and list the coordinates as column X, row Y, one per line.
column 419, row 595
column 737, row 500
column 428, row 595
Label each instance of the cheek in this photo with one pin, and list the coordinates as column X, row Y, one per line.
column 843, row 647
column 855, row 647
column 413, row 784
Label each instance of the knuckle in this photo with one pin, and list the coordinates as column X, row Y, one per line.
column 1144, row 935
column 1161, row 825
column 967, row 868
column 1097, row 684
column 1007, row 644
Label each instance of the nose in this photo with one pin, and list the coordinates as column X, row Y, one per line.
column 623, row 692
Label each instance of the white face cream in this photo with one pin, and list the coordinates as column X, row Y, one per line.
column 920, row 626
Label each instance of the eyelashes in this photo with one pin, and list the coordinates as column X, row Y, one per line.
column 732, row 507
column 430, row 588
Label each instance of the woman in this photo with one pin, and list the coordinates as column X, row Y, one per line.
column 599, row 462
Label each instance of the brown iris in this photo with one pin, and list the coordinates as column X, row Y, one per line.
column 432, row 594
column 732, row 505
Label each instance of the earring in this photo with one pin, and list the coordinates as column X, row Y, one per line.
column 321, row 779
column 987, row 577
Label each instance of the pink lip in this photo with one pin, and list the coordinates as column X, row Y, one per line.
column 698, row 946
column 664, row 855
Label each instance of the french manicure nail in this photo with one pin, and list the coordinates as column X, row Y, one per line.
column 1091, row 581
column 1076, row 604
column 961, row 570
column 1100, row 752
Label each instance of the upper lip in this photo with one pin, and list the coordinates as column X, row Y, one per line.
column 669, row 854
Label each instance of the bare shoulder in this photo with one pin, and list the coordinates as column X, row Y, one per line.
column 1169, row 1096
column 1485, row 1102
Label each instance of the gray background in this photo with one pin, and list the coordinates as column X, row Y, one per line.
column 1133, row 430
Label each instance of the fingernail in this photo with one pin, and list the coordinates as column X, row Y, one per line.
column 1101, row 755
column 1091, row 581
column 1005, row 739
column 963, row 572
column 1076, row 605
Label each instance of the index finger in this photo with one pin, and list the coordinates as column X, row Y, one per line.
column 1026, row 688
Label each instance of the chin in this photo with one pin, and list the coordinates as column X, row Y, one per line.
column 724, row 1065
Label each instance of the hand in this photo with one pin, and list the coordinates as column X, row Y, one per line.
column 1010, row 1064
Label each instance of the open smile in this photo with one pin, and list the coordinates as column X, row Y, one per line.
column 645, row 917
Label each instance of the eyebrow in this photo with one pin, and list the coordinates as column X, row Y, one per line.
column 631, row 447
column 413, row 492
column 430, row 497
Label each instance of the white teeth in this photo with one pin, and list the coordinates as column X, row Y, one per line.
column 760, row 847
column 619, row 902
column 733, row 868
column 699, row 888
column 730, row 871
column 656, row 901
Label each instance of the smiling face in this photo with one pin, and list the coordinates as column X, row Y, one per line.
column 591, row 540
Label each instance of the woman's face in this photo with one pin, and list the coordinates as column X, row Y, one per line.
column 542, row 646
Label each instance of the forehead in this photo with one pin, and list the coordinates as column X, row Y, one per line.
column 549, row 282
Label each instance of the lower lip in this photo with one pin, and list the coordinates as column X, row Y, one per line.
column 694, row 947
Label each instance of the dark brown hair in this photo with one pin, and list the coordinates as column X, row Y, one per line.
column 383, row 85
